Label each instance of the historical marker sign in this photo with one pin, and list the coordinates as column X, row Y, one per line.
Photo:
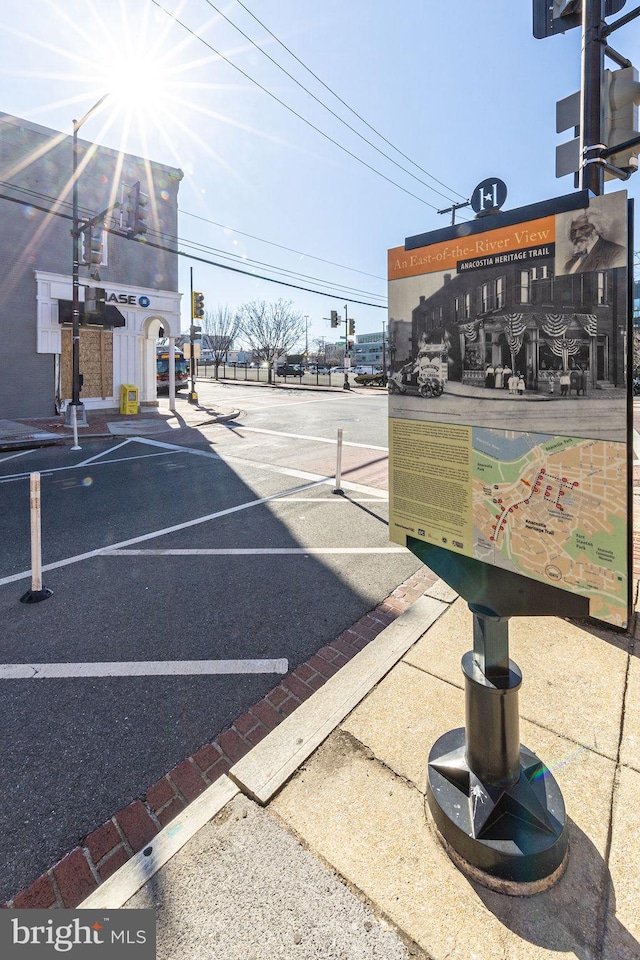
column 509, row 407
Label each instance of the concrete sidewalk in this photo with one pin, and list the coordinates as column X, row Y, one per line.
column 317, row 845
column 149, row 421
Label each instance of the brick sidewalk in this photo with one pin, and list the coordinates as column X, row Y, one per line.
column 110, row 845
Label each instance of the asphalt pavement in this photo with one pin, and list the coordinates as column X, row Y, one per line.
column 163, row 557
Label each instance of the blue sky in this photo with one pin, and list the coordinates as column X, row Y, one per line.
column 461, row 87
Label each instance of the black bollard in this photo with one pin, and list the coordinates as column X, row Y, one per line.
column 496, row 806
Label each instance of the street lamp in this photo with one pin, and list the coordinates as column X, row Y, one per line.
column 384, row 353
column 75, row 405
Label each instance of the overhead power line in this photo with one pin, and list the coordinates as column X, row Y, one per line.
column 340, row 294
column 271, row 243
column 301, row 253
column 336, row 143
column 328, row 108
column 344, row 103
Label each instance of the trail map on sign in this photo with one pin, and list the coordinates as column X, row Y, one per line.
column 554, row 508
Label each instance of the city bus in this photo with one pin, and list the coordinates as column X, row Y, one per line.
column 162, row 368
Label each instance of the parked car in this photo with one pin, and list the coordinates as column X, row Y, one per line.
column 289, row 370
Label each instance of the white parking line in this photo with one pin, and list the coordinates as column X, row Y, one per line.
column 139, row 668
column 100, row 551
column 49, row 472
column 303, row 436
column 12, row 456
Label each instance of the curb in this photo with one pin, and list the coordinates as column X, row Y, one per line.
column 33, row 441
column 164, row 809
column 266, row 768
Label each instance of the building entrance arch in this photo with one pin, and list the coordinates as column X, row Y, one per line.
column 153, row 327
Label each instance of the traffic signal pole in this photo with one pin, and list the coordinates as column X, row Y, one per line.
column 192, row 361
column 347, row 359
column 593, row 44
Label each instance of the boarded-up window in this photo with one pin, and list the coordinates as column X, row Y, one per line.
column 96, row 364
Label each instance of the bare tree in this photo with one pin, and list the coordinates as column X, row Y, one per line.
column 221, row 327
column 271, row 329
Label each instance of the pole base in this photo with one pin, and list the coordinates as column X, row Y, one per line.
column 81, row 415
column 511, row 838
column 35, row 596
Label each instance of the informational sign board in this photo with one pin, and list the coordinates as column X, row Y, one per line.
column 509, row 406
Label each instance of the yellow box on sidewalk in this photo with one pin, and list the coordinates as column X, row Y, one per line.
column 128, row 398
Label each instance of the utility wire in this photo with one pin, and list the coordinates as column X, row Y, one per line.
column 250, row 261
column 203, row 246
column 272, row 243
column 336, row 143
column 328, row 108
column 345, row 104
column 212, row 263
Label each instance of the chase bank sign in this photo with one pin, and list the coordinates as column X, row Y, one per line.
column 130, row 299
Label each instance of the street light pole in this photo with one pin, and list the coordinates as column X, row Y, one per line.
column 384, row 353
column 347, row 358
column 76, row 405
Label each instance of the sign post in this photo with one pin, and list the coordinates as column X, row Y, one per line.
column 509, row 440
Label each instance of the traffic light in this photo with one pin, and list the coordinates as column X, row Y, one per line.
column 136, row 213
column 92, row 243
column 197, row 305
column 334, row 318
column 95, row 301
column 558, row 16
column 620, row 115
column 349, row 346
column 352, row 328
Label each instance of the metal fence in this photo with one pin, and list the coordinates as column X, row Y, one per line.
column 260, row 374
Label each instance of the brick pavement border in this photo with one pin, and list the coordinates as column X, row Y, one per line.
column 109, row 846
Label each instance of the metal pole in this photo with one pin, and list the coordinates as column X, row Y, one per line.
column 591, row 174
column 75, row 274
column 192, row 363
column 345, row 385
column 337, row 488
column 75, row 292
column 172, row 374
column 384, row 353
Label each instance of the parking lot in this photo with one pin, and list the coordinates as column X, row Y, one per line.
column 186, row 582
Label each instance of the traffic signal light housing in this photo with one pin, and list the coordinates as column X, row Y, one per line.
column 92, row 242
column 621, row 96
column 136, row 212
column 197, row 305
column 558, row 16
column 334, row 318
column 95, row 301
column 352, row 328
